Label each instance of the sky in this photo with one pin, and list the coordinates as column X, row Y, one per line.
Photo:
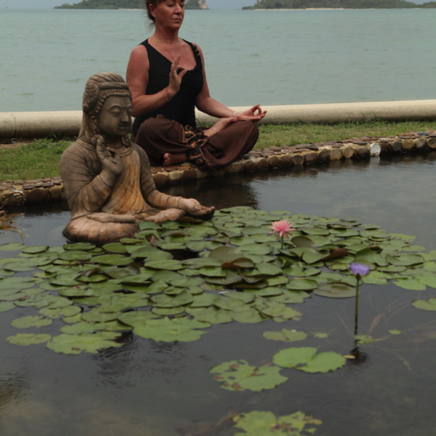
column 213, row 4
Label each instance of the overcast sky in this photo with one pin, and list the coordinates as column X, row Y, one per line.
column 213, row 4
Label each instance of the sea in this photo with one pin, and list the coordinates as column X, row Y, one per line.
column 274, row 57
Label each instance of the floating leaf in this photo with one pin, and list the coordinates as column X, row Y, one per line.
column 31, row 321
column 238, row 375
column 167, row 330
column 35, row 250
column 306, row 359
column 266, row 423
column 60, row 312
column 170, row 264
column 112, row 259
column 285, row 335
column 12, row 247
column 136, row 318
column 334, row 290
column 79, row 246
column 5, row 306
column 364, row 339
column 89, row 343
column 302, row 285
column 28, row 339
column 168, row 301
column 409, row 283
column 212, row 315
column 248, row 316
column 71, row 255
column 430, row 304
column 405, row 259
column 291, row 357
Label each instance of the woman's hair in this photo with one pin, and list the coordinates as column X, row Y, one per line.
column 147, row 6
column 98, row 89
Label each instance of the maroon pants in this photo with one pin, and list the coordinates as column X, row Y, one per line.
column 158, row 136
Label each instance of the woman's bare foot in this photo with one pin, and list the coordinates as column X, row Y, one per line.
column 174, row 158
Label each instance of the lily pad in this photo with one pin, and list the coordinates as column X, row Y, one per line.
column 334, row 290
column 28, row 339
column 306, row 359
column 112, row 259
column 286, row 335
column 266, row 423
column 429, row 305
column 238, row 375
column 31, row 321
column 167, row 330
column 89, row 343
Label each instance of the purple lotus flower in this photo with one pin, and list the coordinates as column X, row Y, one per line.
column 359, row 269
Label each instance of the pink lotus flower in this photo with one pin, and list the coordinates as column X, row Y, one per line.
column 282, row 228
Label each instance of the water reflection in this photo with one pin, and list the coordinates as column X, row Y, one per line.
column 154, row 388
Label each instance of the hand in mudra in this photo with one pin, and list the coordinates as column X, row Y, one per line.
column 195, row 209
column 110, row 161
column 253, row 114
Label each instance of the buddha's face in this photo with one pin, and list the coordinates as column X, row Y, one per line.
column 115, row 117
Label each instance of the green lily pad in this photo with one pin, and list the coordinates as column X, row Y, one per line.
column 302, row 284
column 115, row 247
column 112, row 259
column 28, row 339
column 31, row 321
column 286, row 335
column 429, row 305
column 248, row 316
column 334, row 290
column 409, row 283
column 35, row 250
column 5, row 306
column 167, row 330
column 136, row 318
column 212, row 315
column 238, row 375
column 265, row 423
column 89, row 343
column 167, row 301
column 12, row 247
column 71, row 255
column 164, row 264
column 79, row 246
column 55, row 312
column 306, row 359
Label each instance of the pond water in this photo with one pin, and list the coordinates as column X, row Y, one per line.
column 155, row 388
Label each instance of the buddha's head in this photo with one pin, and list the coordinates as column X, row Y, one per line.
column 107, row 106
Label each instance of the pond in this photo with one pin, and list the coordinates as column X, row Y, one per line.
column 148, row 387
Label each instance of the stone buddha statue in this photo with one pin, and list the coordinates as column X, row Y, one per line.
column 107, row 179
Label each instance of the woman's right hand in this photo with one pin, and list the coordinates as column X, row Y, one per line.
column 176, row 75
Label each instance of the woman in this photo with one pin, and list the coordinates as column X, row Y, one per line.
column 167, row 79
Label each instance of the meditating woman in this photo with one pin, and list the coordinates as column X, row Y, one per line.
column 107, row 179
column 167, row 78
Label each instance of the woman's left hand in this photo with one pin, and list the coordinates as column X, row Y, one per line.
column 253, row 114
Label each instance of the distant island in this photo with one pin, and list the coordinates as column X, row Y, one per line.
column 125, row 4
column 337, row 4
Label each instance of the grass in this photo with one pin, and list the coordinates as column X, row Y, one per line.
column 40, row 159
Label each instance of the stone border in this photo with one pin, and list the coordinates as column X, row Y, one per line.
column 22, row 192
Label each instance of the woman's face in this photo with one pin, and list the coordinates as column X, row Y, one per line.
column 169, row 13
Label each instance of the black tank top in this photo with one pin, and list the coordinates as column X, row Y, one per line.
column 182, row 107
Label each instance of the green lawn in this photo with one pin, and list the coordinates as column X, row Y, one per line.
column 40, row 158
